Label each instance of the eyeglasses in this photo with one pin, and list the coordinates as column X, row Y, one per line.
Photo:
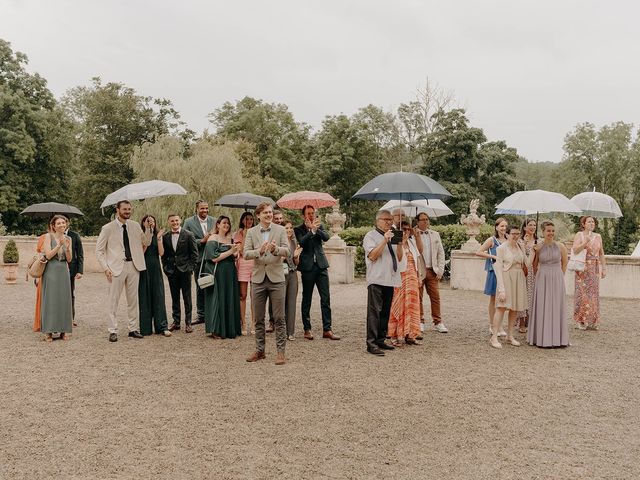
column 386, row 219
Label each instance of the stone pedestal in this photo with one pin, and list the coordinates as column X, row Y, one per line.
column 341, row 261
column 467, row 271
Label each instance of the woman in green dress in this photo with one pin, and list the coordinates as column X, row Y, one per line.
column 55, row 296
column 153, row 312
column 222, row 300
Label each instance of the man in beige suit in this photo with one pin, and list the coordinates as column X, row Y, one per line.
column 120, row 254
column 431, row 268
column 267, row 245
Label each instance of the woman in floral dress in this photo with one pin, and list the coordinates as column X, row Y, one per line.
column 528, row 241
column 586, row 312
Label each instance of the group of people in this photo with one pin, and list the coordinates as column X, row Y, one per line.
column 525, row 280
column 525, row 277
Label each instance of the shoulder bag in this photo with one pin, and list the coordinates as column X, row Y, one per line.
column 207, row 280
column 577, row 261
column 37, row 265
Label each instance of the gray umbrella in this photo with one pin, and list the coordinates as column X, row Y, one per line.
column 402, row 186
column 242, row 200
column 48, row 209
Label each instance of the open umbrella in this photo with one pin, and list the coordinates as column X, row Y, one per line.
column 48, row 209
column 529, row 202
column 143, row 190
column 242, row 200
column 433, row 208
column 297, row 200
column 401, row 186
column 596, row 204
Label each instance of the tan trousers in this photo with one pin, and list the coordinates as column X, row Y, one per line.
column 431, row 285
column 128, row 279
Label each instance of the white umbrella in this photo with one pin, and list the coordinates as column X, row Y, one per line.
column 141, row 191
column 597, row 204
column 434, row 208
column 529, row 202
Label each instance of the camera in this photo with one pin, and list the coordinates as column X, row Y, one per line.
column 397, row 237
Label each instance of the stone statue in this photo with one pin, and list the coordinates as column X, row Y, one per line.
column 336, row 220
column 472, row 222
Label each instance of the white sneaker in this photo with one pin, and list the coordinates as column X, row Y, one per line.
column 421, row 327
column 290, row 338
column 581, row 326
column 440, row 327
column 502, row 333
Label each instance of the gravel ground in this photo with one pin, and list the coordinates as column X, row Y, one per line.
column 191, row 407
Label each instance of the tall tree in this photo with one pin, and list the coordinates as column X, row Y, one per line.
column 35, row 142
column 278, row 162
column 111, row 120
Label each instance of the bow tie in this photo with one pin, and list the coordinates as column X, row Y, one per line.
column 175, row 233
column 262, row 230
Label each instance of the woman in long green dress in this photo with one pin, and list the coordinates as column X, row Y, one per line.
column 222, row 300
column 153, row 312
column 56, row 314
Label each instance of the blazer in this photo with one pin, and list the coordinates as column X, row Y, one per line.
column 268, row 264
column 192, row 224
column 110, row 248
column 312, row 251
column 77, row 261
column 506, row 259
column 436, row 251
column 184, row 258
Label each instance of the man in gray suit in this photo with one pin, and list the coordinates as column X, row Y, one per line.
column 119, row 252
column 267, row 245
column 200, row 225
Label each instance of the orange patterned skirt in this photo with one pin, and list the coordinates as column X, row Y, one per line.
column 404, row 320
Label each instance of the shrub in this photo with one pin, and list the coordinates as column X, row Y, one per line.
column 10, row 254
column 453, row 236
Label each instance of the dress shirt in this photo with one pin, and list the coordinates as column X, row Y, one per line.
column 203, row 225
column 265, row 233
column 174, row 239
column 381, row 271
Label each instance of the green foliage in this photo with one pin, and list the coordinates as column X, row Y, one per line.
column 111, row 121
column 10, row 254
column 452, row 236
column 607, row 160
column 208, row 170
column 537, row 176
column 35, row 141
column 3, row 228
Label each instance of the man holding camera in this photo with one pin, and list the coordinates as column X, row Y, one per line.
column 385, row 261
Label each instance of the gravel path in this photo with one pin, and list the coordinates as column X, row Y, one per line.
column 191, row 407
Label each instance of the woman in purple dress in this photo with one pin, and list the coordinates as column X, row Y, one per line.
column 548, row 320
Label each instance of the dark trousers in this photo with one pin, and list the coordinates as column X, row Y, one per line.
column 199, row 299
column 320, row 278
column 180, row 282
column 73, row 295
column 378, row 309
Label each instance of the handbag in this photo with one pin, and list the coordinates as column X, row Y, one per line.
column 207, row 280
column 577, row 261
column 37, row 265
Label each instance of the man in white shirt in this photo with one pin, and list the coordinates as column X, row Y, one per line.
column 385, row 263
column 432, row 259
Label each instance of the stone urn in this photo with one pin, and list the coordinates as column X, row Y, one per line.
column 10, row 273
column 473, row 223
column 336, row 221
column 10, row 259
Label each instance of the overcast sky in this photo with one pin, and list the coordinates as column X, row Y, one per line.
column 527, row 72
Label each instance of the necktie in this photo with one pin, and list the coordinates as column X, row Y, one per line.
column 125, row 240
column 393, row 254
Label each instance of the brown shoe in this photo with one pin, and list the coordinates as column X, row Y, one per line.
column 173, row 327
column 308, row 335
column 270, row 328
column 280, row 360
column 256, row 356
column 188, row 329
column 329, row 334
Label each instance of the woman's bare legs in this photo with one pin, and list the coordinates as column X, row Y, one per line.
column 496, row 327
column 513, row 315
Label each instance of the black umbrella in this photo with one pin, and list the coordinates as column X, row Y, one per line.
column 242, row 200
column 402, row 186
column 48, row 209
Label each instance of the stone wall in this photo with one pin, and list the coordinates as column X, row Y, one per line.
column 622, row 280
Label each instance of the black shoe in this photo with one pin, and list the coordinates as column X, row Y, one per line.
column 135, row 334
column 198, row 321
column 113, row 337
column 375, row 351
column 385, row 346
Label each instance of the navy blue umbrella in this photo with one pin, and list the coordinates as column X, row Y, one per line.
column 402, row 186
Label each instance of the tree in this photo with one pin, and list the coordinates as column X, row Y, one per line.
column 608, row 161
column 111, row 120
column 277, row 163
column 35, row 142
column 207, row 170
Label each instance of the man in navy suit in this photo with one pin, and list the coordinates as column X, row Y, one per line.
column 76, row 266
column 178, row 262
column 313, row 267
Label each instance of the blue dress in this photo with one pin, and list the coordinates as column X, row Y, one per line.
column 491, row 282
